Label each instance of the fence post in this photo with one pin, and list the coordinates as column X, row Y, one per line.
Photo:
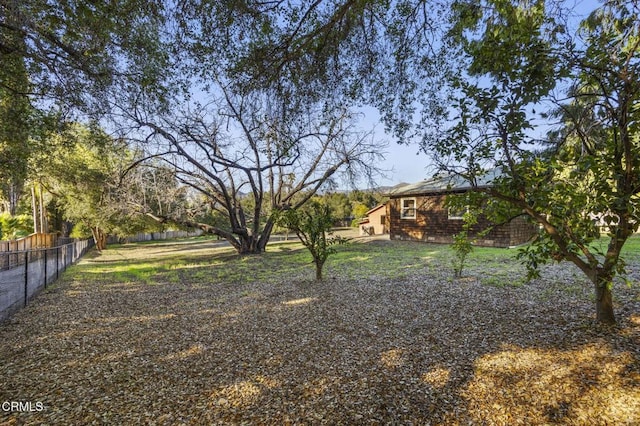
column 26, row 277
column 57, row 263
column 67, row 252
column 45, row 268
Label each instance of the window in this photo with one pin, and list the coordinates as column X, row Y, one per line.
column 457, row 213
column 408, row 208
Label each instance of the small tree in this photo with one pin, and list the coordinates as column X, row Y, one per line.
column 313, row 226
column 463, row 244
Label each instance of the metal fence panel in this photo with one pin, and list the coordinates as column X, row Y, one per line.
column 35, row 278
column 34, row 270
column 11, row 291
column 23, row 272
column 51, row 265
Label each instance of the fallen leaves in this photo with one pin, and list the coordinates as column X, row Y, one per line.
column 437, row 376
column 586, row 382
column 421, row 349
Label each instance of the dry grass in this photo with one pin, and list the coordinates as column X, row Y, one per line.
column 154, row 334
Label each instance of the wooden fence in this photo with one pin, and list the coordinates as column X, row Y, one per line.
column 9, row 257
column 29, row 242
column 154, row 236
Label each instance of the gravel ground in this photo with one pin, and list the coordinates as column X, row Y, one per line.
column 423, row 349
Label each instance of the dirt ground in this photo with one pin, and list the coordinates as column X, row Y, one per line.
column 185, row 347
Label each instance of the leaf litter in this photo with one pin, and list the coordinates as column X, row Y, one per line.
column 417, row 350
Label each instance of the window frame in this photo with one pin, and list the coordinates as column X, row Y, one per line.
column 456, row 215
column 403, row 209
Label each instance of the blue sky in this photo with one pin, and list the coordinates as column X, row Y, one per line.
column 406, row 164
column 402, row 163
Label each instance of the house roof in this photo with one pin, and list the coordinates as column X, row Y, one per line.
column 378, row 207
column 445, row 184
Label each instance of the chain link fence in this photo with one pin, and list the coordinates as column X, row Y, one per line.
column 24, row 273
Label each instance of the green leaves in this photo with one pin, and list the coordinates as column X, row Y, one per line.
column 463, row 243
column 76, row 52
column 512, row 47
column 13, row 227
column 15, row 120
column 312, row 224
column 585, row 177
column 83, row 172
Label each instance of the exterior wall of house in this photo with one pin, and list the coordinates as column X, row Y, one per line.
column 375, row 223
column 377, row 220
column 522, row 231
column 433, row 224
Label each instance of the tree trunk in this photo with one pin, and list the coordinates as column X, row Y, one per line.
column 100, row 238
column 265, row 235
column 14, row 190
column 44, row 228
column 103, row 240
column 318, row 271
column 604, row 303
column 319, row 262
column 254, row 244
column 34, row 212
column 248, row 244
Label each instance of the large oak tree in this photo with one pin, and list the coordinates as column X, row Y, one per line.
column 251, row 155
column 74, row 52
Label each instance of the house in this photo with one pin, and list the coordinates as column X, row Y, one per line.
column 375, row 223
column 417, row 212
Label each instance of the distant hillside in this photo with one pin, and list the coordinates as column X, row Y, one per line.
column 382, row 190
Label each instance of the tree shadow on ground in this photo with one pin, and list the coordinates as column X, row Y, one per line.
column 422, row 349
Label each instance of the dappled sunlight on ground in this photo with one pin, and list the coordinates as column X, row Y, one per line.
column 241, row 394
column 436, row 376
column 224, row 339
column 316, row 388
column 538, row 386
column 192, row 351
column 297, row 302
column 392, row 358
column 137, row 318
column 360, row 258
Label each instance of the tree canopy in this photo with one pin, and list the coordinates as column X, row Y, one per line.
column 75, row 53
column 15, row 121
